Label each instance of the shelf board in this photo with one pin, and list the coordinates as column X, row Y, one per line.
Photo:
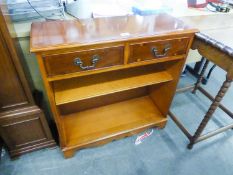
column 94, row 86
column 103, row 123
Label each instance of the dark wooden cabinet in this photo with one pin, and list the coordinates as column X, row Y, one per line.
column 23, row 127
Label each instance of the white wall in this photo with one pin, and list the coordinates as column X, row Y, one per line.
column 85, row 8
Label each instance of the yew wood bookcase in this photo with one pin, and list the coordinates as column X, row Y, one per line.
column 108, row 78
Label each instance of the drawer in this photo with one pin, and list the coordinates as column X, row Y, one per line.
column 157, row 49
column 83, row 60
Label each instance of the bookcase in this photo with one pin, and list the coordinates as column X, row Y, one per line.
column 109, row 78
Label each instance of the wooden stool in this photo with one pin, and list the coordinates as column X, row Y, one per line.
column 221, row 56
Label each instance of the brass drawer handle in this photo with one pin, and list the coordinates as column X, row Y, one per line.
column 165, row 51
column 78, row 62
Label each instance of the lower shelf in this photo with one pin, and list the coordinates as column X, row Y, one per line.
column 111, row 121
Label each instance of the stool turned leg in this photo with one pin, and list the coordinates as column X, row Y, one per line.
column 211, row 110
column 197, row 84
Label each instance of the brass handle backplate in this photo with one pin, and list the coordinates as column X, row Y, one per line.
column 78, row 62
column 156, row 54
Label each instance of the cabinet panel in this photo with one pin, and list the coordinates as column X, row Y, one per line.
column 10, row 82
column 24, row 130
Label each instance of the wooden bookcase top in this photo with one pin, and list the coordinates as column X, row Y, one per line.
column 52, row 35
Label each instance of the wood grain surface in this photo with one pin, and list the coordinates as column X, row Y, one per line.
column 52, row 35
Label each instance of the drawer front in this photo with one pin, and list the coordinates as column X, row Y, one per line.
column 157, row 49
column 83, row 60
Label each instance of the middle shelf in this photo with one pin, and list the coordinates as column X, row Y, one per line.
column 86, row 87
